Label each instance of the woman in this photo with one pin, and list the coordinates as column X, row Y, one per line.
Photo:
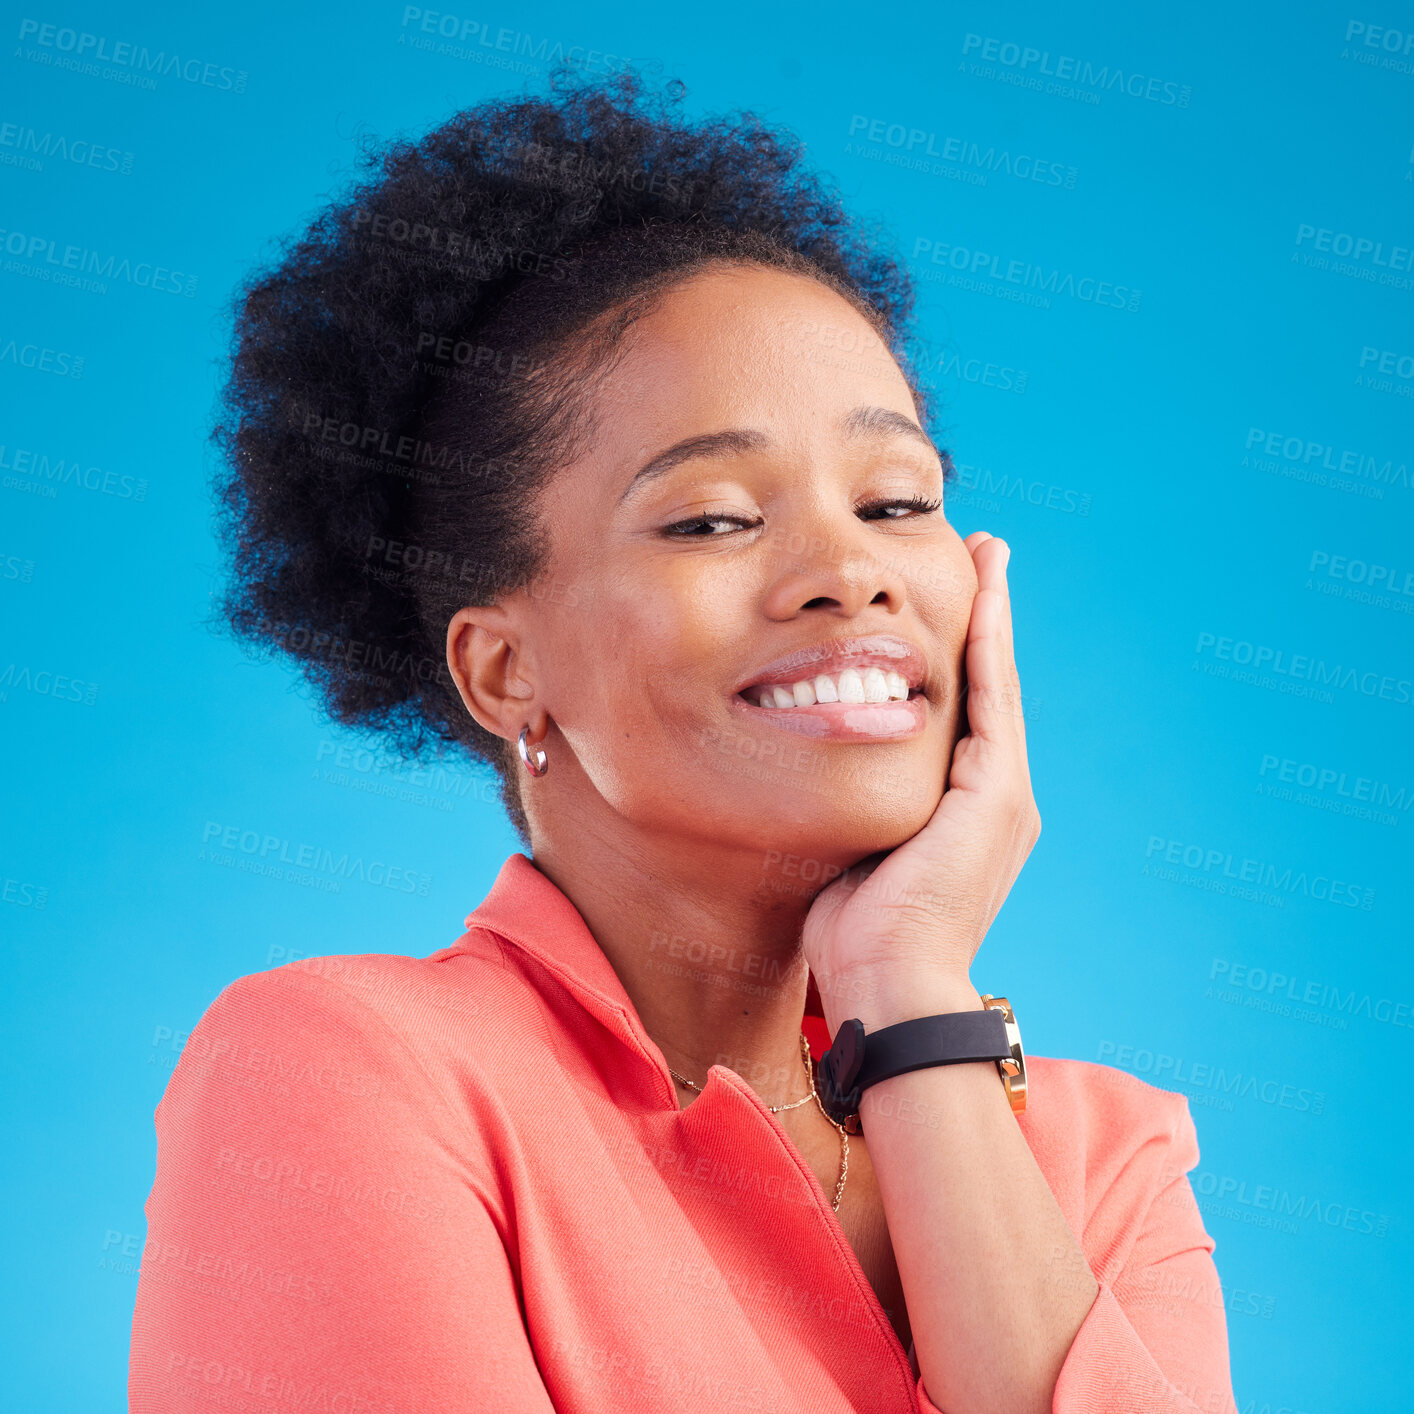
column 585, row 439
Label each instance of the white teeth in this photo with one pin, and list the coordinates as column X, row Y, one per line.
column 851, row 685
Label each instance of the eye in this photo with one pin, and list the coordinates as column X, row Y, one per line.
column 898, row 510
column 699, row 527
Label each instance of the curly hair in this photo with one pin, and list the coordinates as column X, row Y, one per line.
column 406, row 376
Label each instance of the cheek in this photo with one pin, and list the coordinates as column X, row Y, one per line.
column 945, row 592
column 682, row 623
column 626, row 667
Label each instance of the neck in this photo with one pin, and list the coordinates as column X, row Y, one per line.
column 706, row 943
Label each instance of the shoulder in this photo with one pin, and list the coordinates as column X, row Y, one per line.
column 1113, row 1108
column 361, row 1022
column 1107, row 1114
column 1105, row 1139
column 406, row 995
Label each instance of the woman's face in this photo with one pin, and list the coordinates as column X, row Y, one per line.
column 745, row 518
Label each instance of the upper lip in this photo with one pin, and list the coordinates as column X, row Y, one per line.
column 875, row 650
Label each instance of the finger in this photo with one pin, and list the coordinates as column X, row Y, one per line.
column 1005, row 588
column 975, row 539
column 994, row 695
column 988, row 668
column 991, row 560
column 990, row 556
column 1014, row 706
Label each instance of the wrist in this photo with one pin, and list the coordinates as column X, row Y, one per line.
column 880, row 1001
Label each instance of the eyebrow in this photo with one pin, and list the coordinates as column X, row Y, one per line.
column 873, row 422
column 885, row 422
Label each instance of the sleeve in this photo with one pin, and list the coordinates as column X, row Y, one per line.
column 318, row 1238
column 1155, row 1339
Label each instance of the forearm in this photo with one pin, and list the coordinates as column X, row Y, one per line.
column 995, row 1283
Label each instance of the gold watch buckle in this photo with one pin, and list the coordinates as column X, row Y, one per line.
column 1013, row 1071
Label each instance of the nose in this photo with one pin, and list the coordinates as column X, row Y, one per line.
column 833, row 572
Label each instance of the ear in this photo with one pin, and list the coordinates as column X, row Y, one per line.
column 491, row 672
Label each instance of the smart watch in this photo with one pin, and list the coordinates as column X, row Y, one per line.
column 855, row 1061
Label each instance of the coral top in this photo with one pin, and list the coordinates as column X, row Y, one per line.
column 397, row 1185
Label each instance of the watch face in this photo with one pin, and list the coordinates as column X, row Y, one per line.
column 849, row 1051
column 839, row 1068
column 1013, row 1071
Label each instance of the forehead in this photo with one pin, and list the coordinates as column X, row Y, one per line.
column 745, row 344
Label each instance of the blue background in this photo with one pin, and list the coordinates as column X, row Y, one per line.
column 1173, row 528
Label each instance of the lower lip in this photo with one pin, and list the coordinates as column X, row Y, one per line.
column 845, row 721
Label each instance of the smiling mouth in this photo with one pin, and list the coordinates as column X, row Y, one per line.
column 867, row 688
column 861, row 704
column 849, row 687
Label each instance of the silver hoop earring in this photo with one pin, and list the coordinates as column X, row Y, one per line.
column 538, row 766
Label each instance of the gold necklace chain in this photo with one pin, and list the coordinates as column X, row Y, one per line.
column 795, row 1104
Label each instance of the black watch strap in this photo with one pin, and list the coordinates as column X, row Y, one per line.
column 854, row 1063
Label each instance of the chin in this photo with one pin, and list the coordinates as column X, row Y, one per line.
column 837, row 825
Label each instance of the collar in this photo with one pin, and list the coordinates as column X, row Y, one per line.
column 528, row 911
